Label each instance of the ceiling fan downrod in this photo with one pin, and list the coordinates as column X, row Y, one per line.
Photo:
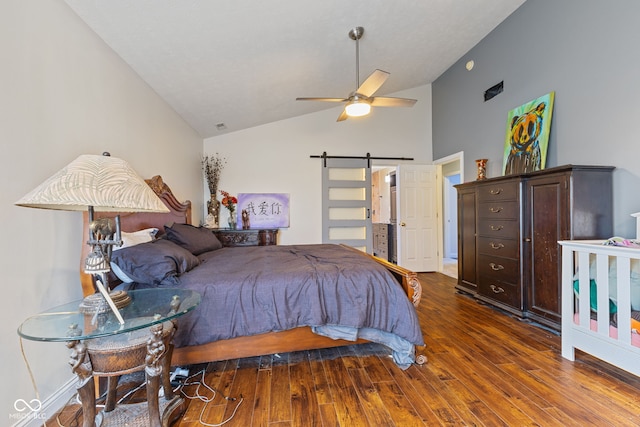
column 356, row 34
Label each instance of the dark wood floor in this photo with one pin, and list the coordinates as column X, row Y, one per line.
column 485, row 368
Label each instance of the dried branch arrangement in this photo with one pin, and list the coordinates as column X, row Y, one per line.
column 212, row 167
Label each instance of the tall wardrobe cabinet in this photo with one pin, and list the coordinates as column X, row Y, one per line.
column 509, row 229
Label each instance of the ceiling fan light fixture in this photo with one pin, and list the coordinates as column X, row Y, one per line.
column 357, row 108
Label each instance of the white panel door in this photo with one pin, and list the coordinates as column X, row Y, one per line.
column 417, row 217
column 346, row 203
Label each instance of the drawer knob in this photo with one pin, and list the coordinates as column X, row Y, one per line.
column 496, row 267
column 496, row 289
column 495, row 210
column 496, row 245
column 496, row 227
column 495, row 191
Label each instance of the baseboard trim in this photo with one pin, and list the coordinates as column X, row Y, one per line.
column 50, row 406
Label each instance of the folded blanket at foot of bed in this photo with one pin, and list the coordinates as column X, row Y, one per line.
column 403, row 351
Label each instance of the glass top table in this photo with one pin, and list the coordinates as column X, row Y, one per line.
column 146, row 308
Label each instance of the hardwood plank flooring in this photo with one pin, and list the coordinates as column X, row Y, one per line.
column 485, row 368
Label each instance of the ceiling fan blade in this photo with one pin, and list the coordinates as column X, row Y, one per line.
column 383, row 101
column 323, row 99
column 373, row 83
column 343, row 116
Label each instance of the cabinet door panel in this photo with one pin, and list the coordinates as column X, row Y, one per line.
column 547, row 222
column 467, row 277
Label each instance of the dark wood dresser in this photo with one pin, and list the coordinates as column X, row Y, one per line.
column 508, row 232
column 250, row 237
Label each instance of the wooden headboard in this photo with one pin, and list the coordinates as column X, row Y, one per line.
column 179, row 212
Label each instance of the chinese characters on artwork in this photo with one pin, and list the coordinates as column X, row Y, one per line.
column 265, row 210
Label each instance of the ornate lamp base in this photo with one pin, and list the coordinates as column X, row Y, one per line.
column 97, row 304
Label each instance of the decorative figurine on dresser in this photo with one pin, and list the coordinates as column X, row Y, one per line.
column 509, row 228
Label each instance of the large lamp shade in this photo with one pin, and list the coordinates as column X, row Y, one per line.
column 106, row 183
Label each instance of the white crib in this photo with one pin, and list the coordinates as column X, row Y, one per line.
column 615, row 271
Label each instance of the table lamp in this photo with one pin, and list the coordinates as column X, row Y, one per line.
column 97, row 183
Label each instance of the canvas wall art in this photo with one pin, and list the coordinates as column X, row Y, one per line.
column 527, row 139
column 265, row 210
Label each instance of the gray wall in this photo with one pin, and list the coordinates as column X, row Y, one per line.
column 587, row 52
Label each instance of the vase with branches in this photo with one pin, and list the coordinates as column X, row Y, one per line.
column 212, row 166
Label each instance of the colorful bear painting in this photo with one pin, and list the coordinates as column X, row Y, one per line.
column 527, row 139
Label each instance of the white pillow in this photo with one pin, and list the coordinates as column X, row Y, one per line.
column 136, row 237
column 120, row 274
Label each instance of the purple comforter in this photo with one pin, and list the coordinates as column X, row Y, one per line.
column 252, row 290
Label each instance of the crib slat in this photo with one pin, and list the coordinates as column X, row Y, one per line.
column 602, row 279
column 624, row 299
column 568, row 351
column 583, row 289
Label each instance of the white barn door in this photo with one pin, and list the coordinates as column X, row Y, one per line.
column 346, row 202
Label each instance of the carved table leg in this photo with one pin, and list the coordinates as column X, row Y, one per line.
column 81, row 366
column 153, row 369
column 112, row 388
column 166, row 366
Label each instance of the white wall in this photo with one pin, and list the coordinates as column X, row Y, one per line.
column 65, row 93
column 275, row 157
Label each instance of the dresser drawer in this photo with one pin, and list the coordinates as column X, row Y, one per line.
column 498, row 191
column 504, row 269
column 499, row 210
column 507, row 248
column 506, row 293
column 499, row 228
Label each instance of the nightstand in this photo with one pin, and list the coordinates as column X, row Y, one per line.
column 248, row 237
column 102, row 347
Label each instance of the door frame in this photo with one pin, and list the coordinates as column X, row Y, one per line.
column 440, row 163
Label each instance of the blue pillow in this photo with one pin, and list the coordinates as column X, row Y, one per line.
column 153, row 263
column 196, row 240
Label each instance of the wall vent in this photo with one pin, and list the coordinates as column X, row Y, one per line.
column 493, row 91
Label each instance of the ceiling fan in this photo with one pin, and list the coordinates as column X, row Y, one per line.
column 359, row 103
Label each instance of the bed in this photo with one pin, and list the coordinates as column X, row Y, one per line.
column 601, row 301
column 378, row 304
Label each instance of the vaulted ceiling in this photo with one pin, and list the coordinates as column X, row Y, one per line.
column 243, row 63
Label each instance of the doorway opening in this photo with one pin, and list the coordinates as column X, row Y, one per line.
column 450, row 173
